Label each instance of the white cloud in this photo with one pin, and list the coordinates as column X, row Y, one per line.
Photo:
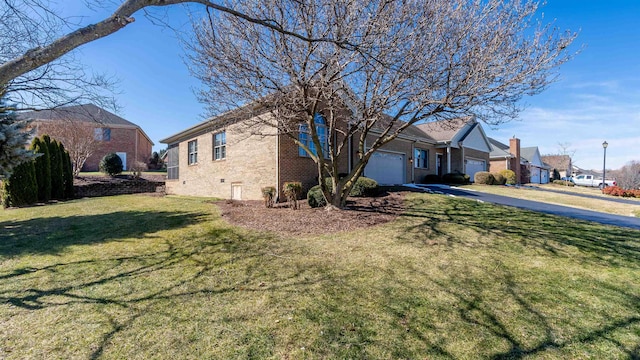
column 584, row 121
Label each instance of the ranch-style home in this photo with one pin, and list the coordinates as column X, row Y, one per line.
column 224, row 158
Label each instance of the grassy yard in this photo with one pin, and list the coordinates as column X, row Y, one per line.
column 136, row 277
column 562, row 199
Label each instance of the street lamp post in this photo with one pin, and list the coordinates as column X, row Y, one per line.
column 604, row 165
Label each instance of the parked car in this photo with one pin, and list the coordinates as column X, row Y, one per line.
column 590, row 180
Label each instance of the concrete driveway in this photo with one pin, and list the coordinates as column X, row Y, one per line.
column 603, row 218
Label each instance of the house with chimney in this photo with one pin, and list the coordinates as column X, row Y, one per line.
column 525, row 162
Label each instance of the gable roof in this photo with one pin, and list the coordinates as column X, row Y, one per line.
column 445, row 130
column 85, row 113
column 561, row 162
column 499, row 150
column 528, row 153
column 88, row 113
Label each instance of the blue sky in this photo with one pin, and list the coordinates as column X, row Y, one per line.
column 597, row 97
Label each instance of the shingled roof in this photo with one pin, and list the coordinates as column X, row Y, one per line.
column 445, row 130
column 85, row 113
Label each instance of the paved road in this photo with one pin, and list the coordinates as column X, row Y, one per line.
column 603, row 218
column 606, row 198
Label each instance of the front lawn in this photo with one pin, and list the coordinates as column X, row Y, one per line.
column 137, row 277
column 600, row 205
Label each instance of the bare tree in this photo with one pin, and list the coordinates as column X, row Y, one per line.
column 32, row 40
column 78, row 139
column 415, row 61
column 37, row 65
column 628, row 177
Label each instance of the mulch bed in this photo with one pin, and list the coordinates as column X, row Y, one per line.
column 359, row 213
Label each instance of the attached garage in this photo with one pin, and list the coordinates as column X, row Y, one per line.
column 535, row 175
column 386, row 168
column 473, row 166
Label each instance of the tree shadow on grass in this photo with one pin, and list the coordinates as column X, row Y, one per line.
column 555, row 235
column 51, row 235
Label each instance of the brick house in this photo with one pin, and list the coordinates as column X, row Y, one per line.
column 224, row 158
column 560, row 163
column 525, row 162
column 115, row 134
column 461, row 146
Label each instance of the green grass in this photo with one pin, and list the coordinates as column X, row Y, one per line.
column 140, row 277
column 599, row 204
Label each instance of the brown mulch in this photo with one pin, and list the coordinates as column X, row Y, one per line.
column 359, row 213
column 86, row 180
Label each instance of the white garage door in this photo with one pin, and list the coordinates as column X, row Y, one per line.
column 386, row 168
column 473, row 166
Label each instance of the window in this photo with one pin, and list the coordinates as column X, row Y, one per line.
column 305, row 137
column 102, row 134
column 421, row 159
column 220, row 146
column 192, row 147
column 173, row 162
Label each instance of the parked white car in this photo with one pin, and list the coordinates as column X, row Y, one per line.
column 590, row 180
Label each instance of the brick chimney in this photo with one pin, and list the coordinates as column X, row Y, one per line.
column 514, row 149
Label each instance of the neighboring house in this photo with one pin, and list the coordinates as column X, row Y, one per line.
column 561, row 163
column 525, row 162
column 462, row 146
column 115, row 134
column 538, row 171
column 223, row 158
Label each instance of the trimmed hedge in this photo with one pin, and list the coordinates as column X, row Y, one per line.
column 510, row 176
column 564, row 183
column 43, row 169
column 499, row 179
column 21, row 188
column 364, row 186
column 456, row 178
column 432, row 179
column 111, row 164
column 618, row 191
column 315, row 198
column 484, row 178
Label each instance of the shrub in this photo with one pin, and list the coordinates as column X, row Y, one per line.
column 111, row 164
column 57, row 178
column 67, row 173
column 432, row 179
column 510, row 176
column 484, row 178
column 137, row 168
column 315, row 197
column 292, row 191
column 618, row 191
column 21, row 188
column 269, row 195
column 564, row 182
column 364, row 186
column 498, row 179
column 43, row 169
column 455, row 178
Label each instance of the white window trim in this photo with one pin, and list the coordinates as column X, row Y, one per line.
column 223, row 146
column 193, row 152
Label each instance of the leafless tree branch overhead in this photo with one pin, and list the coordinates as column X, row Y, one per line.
column 415, row 60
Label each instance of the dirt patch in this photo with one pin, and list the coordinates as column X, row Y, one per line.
column 359, row 213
